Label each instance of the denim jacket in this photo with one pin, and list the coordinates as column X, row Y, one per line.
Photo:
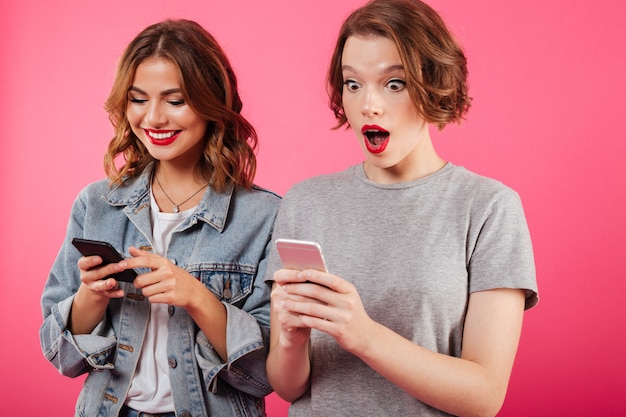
column 225, row 244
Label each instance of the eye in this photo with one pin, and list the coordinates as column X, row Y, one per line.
column 136, row 100
column 176, row 102
column 351, row 85
column 396, row 85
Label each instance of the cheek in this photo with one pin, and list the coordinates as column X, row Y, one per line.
column 350, row 108
column 356, row 131
column 195, row 124
column 134, row 121
column 133, row 116
column 404, row 106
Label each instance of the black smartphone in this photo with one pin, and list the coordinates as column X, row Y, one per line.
column 107, row 252
column 300, row 254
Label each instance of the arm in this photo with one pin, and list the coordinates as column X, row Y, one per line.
column 74, row 351
column 474, row 384
column 93, row 295
column 288, row 364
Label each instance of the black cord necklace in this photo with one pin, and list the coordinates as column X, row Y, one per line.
column 176, row 208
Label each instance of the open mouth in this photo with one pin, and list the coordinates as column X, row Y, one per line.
column 376, row 138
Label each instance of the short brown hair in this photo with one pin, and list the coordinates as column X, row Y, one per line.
column 435, row 65
column 208, row 85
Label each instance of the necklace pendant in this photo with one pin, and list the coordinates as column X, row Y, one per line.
column 176, row 209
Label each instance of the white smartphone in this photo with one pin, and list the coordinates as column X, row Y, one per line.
column 300, row 254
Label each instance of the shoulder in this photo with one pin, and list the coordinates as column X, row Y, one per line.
column 261, row 192
column 463, row 176
column 257, row 193
column 96, row 190
column 256, row 198
column 479, row 188
column 91, row 196
column 320, row 185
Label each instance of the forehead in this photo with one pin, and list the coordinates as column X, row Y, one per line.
column 157, row 70
column 370, row 52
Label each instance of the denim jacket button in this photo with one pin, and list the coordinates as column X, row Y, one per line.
column 170, row 310
column 172, row 363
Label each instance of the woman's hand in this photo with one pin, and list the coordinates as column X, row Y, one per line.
column 93, row 295
column 94, row 279
column 305, row 300
column 169, row 284
column 293, row 331
column 166, row 283
column 318, row 300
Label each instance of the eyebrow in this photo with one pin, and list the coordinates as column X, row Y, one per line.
column 392, row 68
column 163, row 93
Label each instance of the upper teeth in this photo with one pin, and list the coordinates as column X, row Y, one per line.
column 162, row 135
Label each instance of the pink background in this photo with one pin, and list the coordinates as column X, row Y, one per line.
column 548, row 83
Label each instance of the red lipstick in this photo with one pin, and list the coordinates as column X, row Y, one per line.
column 162, row 137
column 376, row 138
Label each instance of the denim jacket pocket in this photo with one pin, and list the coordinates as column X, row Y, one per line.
column 249, row 405
column 231, row 283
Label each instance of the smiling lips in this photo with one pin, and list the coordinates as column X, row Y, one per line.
column 162, row 137
column 376, row 138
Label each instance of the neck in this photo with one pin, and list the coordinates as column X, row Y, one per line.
column 179, row 175
column 422, row 161
column 177, row 189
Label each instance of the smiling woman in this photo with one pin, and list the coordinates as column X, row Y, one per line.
column 170, row 130
column 191, row 331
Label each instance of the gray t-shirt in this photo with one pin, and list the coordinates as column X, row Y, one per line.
column 414, row 251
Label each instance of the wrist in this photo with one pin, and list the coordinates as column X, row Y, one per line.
column 88, row 297
column 293, row 341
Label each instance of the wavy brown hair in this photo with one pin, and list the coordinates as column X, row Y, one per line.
column 434, row 63
column 208, row 85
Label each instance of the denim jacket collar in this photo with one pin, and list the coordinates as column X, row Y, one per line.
column 134, row 194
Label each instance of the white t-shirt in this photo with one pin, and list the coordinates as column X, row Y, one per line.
column 150, row 389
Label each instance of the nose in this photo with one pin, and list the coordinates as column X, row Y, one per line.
column 155, row 116
column 372, row 103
